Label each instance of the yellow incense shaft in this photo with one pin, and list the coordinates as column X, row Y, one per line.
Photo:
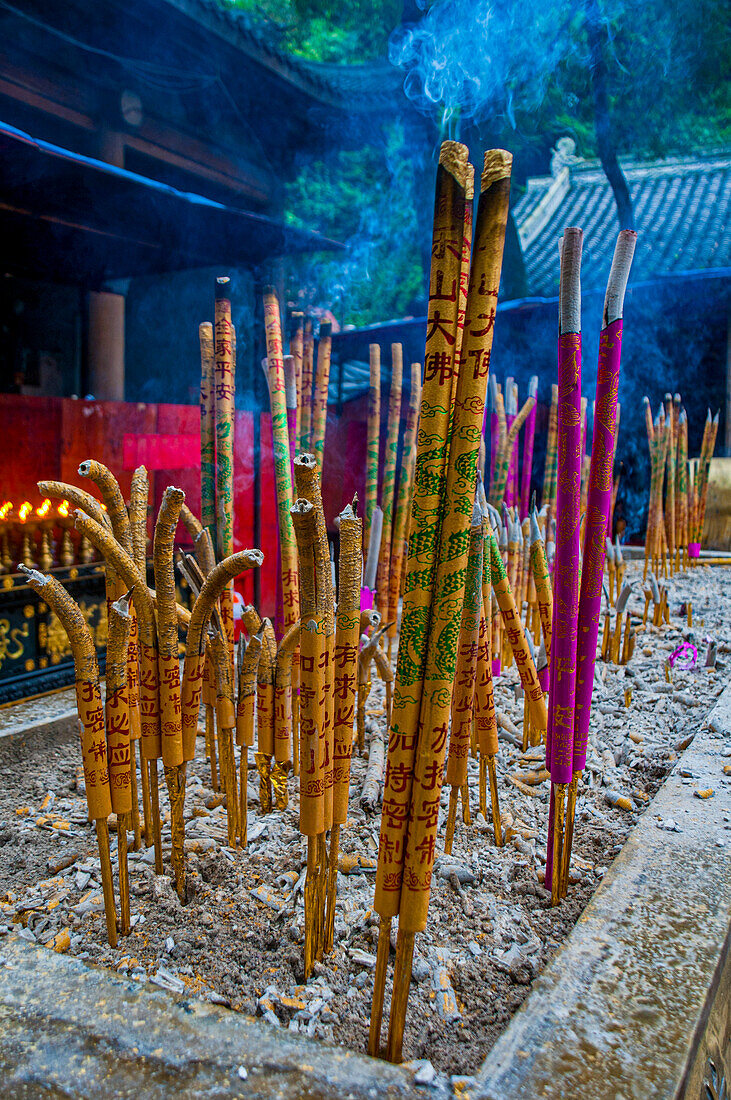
column 389, row 479
column 312, row 701
column 374, row 436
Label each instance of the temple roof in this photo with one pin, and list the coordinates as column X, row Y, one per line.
column 681, row 207
column 358, row 89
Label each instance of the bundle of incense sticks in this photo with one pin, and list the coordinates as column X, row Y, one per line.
column 439, row 529
column 598, row 503
column 550, row 469
column 700, row 487
column 505, row 472
column 528, row 440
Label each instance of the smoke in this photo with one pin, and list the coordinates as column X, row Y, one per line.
column 470, row 59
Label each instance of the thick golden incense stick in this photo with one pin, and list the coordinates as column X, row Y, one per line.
column 347, row 631
column 312, row 717
column 296, row 350
column 265, row 715
column 208, row 429
column 374, row 438
column 429, row 477
column 248, row 665
column 226, row 723
column 138, row 530
column 548, row 474
column 305, row 419
column 224, row 366
column 171, row 729
column 453, row 545
column 322, row 382
column 118, row 741
column 282, row 459
column 91, row 717
column 403, row 502
column 283, row 725
column 389, row 479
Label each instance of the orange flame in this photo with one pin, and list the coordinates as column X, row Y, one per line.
column 43, row 510
column 25, row 509
column 63, row 509
column 5, row 508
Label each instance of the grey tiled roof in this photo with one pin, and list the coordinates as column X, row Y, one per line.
column 681, row 208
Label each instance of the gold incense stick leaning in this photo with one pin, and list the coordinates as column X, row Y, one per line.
column 118, row 741
column 224, row 368
column 312, row 718
column 138, row 530
column 322, row 382
column 403, row 503
column 485, row 714
column 305, row 417
column 296, row 345
column 171, row 728
column 345, row 668
column 389, row 479
column 248, row 665
column 91, row 719
column 208, row 429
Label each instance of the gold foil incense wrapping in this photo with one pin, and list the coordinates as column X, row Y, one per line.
column 346, row 657
column 278, row 787
column 190, row 701
column 117, row 709
column 312, row 644
column 246, row 704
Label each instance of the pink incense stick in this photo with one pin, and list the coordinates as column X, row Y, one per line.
column 560, row 732
column 599, row 497
column 528, row 438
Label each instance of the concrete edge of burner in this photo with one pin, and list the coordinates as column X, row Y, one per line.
column 17, row 742
column 69, row 1026
column 638, row 1001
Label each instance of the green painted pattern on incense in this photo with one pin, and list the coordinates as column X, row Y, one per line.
column 389, row 477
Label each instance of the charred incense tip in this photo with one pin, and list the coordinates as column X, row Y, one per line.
column 618, row 276
column 223, row 288
column 121, row 606
column 453, row 156
column 33, row 575
column 290, row 380
column 298, row 322
column 469, row 185
column 85, row 468
column 533, row 386
column 569, row 309
column 535, row 529
column 326, row 330
column 497, row 165
column 307, row 461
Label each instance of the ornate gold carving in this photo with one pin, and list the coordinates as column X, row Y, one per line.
column 29, row 611
column 11, row 638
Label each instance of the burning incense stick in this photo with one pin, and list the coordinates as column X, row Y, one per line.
column 420, row 565
column 346, row 672
column 597, row 512
column 374, row 437
column 118, row 741
column 208, row 429
column 464, row 678
column 322, row 382
column 453, row 545
column 389, row 479
column 91, row 717
column 560, row 732
column 403, row 501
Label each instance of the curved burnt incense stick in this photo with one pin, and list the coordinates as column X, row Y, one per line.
column 108, row 486
column 91, row 718
column 60, row 490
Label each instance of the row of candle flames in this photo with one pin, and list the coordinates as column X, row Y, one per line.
column 42, row 536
